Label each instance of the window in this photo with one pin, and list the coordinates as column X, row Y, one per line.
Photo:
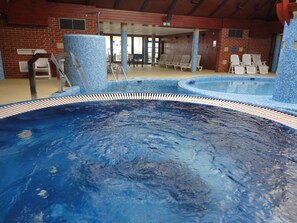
column 76, row 24
column 235, row 33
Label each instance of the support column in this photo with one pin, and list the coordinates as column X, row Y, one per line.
column 1, row 68
column 285, row 87
column 89, row 50
column 277, row 47
column 124, row 52
column 153, row 49
column 195, row 50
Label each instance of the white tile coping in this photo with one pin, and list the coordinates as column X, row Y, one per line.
column 277, row 116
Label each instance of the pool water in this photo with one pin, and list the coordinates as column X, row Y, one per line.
column 144, row 86
column 237, row 87
column 146, row 161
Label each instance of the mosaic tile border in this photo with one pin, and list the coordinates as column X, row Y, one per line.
column 277, row 116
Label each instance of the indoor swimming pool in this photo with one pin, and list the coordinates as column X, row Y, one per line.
column 145, row 158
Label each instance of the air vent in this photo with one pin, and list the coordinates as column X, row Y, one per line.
column 23, row 65
column 235, row 33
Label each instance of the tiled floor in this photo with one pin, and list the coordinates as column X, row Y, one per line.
column 14, row 90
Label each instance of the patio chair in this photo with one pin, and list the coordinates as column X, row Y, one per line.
column 262, row 68
column 169, row 59
column 235, row 65
column 185, row 60
column 250, row 68
column 189, row 66
column 162, row 59
column 176, row 60
column 42, row 65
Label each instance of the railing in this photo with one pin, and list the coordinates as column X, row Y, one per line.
column 32, row 72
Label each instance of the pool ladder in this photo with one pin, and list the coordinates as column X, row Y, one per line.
column 115, row 69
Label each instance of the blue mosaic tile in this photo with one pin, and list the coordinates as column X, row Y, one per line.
column 90, row 52
column 1, row 68
column 286, row 80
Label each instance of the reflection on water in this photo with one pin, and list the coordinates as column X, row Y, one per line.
column 136, row 161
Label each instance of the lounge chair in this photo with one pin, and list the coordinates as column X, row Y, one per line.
column 176, row 60
column 169, row 58
column 162, row 60
column 185, row 60
column 235, row 65
column 189, row 65
column 250, row 68
column 42, row 65
column 261, row 65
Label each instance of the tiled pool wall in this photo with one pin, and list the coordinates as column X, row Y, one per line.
column 286, row 80
column 265, row 100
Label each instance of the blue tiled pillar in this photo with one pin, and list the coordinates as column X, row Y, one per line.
column 90, row 53
column 277, row 47
column 1, row 68
column 285, row 89
column 153, row 49
column 195, row 50
column 124, row 52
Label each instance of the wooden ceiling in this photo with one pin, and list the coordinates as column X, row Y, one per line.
column 233, row 9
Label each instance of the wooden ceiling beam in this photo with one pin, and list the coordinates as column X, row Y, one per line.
column 272, row 6
column 238, row 8
column 218, row 8
column 258, row 9
column 293, row 6
column 116, row 4
column 195, row 7
column 144, row 5
column 170, row 7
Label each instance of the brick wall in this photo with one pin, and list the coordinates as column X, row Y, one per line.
column 26, row 37
column 246, row 44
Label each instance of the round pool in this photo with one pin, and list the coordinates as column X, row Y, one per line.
column 145, row 158
column 229, row 85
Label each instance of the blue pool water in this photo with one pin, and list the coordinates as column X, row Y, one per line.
column 229, row 85
column 237, row 87
column 146, row 161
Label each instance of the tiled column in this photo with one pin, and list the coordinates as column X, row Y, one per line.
column 153, row 49
column 1, row 68
column 124, row 52
column 195, row 50
column 277, row 47
column 89, row 50
column 285, row 88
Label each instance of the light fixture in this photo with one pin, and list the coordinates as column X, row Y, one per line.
column 167, row 19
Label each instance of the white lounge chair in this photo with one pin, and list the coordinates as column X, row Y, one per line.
column 261, row 65
column 250, row 68
column 235, row 65
column 176, row 60
column 189, row 65
column 162, row 59
column 169, row 58
column 42, row 65
column 185, row 60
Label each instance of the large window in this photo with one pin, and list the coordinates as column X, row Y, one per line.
column 150, row 51
column 75, row 24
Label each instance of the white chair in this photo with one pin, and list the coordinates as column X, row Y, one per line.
column 169, row 59
column 162, row 59
column 261, row 65
column 176, row 60
column 250, row 68
column 235, row 65
column 189, row 65
column 42, row 65
column 185, row 60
